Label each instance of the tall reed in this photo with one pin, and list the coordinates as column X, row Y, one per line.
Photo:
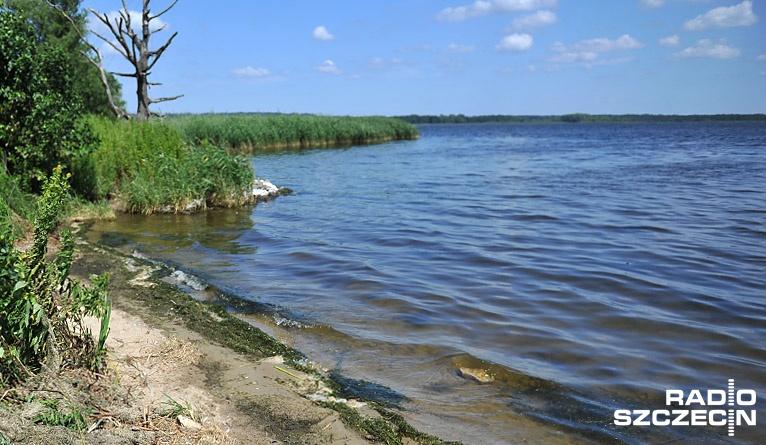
column 148, row 167
column 254, row 132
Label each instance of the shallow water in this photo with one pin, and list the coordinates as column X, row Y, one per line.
column 588, row 268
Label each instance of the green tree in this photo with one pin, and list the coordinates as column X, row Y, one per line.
column 54, row 28
column 39, row 111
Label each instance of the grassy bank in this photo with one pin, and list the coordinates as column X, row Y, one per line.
column 191, row 162
column 146, row 167
column 253, row 132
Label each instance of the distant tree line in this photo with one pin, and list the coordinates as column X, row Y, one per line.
column 578, row 118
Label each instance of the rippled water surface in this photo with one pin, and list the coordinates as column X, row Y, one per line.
column 586, row 268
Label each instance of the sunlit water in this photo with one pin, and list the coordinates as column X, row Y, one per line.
column 588, row 268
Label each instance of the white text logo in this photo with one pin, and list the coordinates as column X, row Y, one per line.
column 715, row 407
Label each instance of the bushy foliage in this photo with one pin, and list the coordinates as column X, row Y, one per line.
column 56, row 30
column 42, row 310
column 39, row 115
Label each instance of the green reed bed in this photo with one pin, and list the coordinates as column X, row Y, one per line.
column 254, row 132
column 148, row 167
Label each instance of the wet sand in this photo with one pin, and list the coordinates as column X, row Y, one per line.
column 233, row 383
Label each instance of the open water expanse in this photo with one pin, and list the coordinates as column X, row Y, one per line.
column 586, row 268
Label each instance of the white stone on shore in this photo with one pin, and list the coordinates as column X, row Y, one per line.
column 188, row 280
column 264, row 189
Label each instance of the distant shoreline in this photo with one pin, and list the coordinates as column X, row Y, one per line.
column 576, row 118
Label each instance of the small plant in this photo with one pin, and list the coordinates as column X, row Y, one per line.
column 71, row 417
column 175, row 408
column 42, row 310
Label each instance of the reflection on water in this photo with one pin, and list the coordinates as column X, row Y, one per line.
column 585, row 268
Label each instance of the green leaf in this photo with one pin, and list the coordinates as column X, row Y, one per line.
column 19, row 285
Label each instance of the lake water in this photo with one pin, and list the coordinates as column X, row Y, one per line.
column 586, row 268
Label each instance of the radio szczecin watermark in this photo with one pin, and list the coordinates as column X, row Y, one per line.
column 717, row 407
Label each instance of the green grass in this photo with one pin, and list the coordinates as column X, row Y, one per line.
column 148, row 167
column 189, row 161
column 253, row 132
column 16, row 206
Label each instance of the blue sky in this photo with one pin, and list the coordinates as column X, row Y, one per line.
column 458, row 56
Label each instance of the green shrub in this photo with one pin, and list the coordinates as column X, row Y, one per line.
column 39, row 112
column 42, row 310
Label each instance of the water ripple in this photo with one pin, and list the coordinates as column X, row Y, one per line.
column 585, row 267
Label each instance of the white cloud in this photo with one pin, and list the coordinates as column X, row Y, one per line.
column 379, row 63
column 673, row 40
column 589, row 51
column 707, row 49
column 652, row 3
column 724, row 17
column 536, row 20
column 249, row 71
column 569, row 57
column 457, row 49
column 515, row 43
column 321, row 33
column 484, row 7
column 601, row 45
column 328, row 66
column 761, row 58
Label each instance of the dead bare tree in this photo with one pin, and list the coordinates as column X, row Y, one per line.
column 134, row 47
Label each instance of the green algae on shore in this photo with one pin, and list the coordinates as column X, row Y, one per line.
column 144, row 292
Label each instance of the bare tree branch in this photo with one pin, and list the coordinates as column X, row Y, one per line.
column 165, row 99
column 166, row 10
column 157, row 54
column 160, row 28
column 133, row 45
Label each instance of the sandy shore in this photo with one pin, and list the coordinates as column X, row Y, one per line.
column 181, row 371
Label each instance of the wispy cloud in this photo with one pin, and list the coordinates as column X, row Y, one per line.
column 484, row 7
column 321, row 33
column 604, row 45
column 761, row 58
column 673, row 40
column 589, row 51
column 327, row 67
column 706, row 48
column 250, row 71
column 535, row 20
column 652, row 4
column 458, row 49
column 515, row 43
column 724, row 17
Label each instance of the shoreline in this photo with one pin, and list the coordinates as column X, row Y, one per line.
column 247, row 387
